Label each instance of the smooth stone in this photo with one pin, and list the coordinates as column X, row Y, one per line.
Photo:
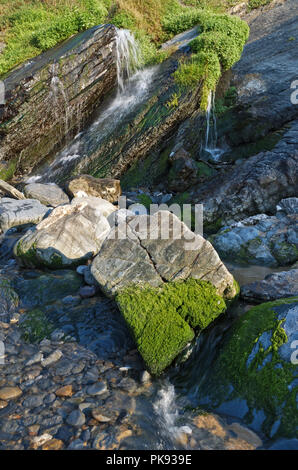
column 9, row 393
column 52, row 358
column 47, row 194
column 76, row 418
column 97, row 389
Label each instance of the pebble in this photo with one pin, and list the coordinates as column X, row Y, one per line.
column 76, row 418
column 38, row 357
column 3, row 404
column 39, row 441
column 64, row 391
column 9, row 393
column 33, row 401
column 53, row 444
column 52, row 358
column 97, row 389
column 87, row 292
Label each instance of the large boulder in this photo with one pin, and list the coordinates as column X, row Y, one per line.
column 17, row 213
column 265, row 240
column 86, row 185
column 47, row 194
column 157, row 249
column 72, row 234
column 255, row 374
column 274, row 286
column 168, row 283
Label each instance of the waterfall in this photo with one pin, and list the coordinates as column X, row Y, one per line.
column 128, row 57
column 132, row 90
column 211, row 130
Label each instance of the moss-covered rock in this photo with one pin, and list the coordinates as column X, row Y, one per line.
column 163, row 320
column 255, row 374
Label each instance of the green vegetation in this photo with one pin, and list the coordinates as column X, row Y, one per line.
column 162, row 319
column 6, row 173
column 29, row 27
column 253, row 4
column 217, row 49
column 264, row 380
column 36, row 327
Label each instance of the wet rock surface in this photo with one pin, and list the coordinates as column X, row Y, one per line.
column 255, row 186
column 274, row 286
column 76, row 75
column 264, row 240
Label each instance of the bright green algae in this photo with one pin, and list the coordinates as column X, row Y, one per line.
column 162, row 320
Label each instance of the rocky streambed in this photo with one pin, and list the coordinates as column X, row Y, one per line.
column 113, row 336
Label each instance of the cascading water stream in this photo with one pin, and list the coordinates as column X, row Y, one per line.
column 132, row 89
column 166, row 410
column 211, row 130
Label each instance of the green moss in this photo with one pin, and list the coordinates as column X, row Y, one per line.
column 253, row 4
column 263, row 385
column 161, row 319
column 217, row 48
column 35, row 326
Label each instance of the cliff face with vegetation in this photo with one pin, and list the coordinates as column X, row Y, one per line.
column 52, row 96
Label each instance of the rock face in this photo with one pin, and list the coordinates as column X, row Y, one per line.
column 157, row 249
column 18, row 213
column 183, row 173
column 255, row 375
column 47, row 194
column 71, row 235
column 127, row 132
column 260, row 240
column 255, row 186
column 274, row 286
column 264, row 89
column 54, row 94
column 85, row 185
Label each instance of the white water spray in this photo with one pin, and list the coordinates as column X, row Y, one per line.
column 128, row 57
column 167, row 412
column 211, row 131
column 133, row 88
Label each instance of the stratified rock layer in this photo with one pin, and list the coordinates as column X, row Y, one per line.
column 54, row 94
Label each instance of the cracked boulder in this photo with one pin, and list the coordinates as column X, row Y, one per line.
column 167, row 281
column 71, row 235
column 157, row 249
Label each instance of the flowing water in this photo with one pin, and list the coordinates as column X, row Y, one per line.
column 211, row 137
column 162, row 411
column 133, row 87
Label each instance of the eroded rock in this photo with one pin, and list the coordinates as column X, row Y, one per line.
column 15, row 213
